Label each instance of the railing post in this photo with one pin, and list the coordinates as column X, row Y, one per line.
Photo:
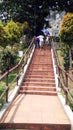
column 17, row 74
column 66, row 87
column 23, row 62
column 7, row 87
column 58, row 77
column 17, row 79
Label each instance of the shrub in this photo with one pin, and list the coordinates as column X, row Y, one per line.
column 8, row 60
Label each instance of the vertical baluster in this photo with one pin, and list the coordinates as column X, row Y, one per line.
column 66, row 87
column 59, row 83
column 7, row 87
column 17, row 74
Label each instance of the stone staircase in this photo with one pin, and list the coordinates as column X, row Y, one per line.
column 39, row 78
column 37, row 106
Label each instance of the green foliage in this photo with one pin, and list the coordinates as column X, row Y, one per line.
column 14, row 31
column 10, row 33
column 34, row 11
column 66, row 29
column 2, row 102
column 8, row 60
column 9, row 36
column 70, row 103
column 25, row 28
column 66, row 62
column 3, row 36
column 57, row 39
column 66, row 58
column 66, row 36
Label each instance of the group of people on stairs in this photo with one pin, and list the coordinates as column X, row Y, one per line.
column 41, row 40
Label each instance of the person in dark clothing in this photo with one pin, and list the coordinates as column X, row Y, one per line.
column 37, row 45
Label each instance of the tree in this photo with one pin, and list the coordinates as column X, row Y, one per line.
column 9, row 35
column 3, row 36
column 34, row 11
column 66, row 29
column 66, row 34
column 25, row 28
column 7, row 60
column 14, row 32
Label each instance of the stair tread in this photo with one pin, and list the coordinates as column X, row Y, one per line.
column 41, row 71
column 38, row 82
column 23, row 86
column 38, row 91
column 41, row 75
column 39, row 79
column 41, row 63
column 50, row 93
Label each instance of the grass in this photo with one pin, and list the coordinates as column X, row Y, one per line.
column 12, row 82
column 3, row 83
column 2, row 88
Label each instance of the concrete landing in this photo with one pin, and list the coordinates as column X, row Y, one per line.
column 36, row 109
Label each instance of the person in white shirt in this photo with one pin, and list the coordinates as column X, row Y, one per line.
column 41, row 40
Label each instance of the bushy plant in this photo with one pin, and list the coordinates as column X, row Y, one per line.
column 14, row 31
column 65, row 54
column 66, row 37
column 66, row 61
column 8, row 60
column 66, row 29
column 3, row 36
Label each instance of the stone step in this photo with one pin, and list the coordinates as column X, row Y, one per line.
column 39, row 79
column 36, row 126
column 43, row 57
column 41, row 64
column 42, row 54
column 39, row 69
column 38, row 84
column 35, row 92
column 47, row 62
column 38, row 88
column 43, row 72
column 39, row 76
column 47, row 57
